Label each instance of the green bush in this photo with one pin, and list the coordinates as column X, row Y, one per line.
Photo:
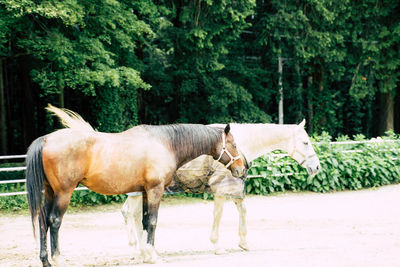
column 78, row 199
column 343, row 167
column 12, row 203
column 87, row 197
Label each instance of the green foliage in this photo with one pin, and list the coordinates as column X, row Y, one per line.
column 190, row 52
column 90, row 198
column 274, row 174
column 85, row 49
column 78, row 199
column 13, row 203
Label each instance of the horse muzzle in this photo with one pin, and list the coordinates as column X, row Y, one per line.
column 313, row 168
column 238, row 171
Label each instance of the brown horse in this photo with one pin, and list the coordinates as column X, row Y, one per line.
column 143, row 158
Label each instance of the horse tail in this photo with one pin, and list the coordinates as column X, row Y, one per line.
column 69, row 118
column 35, row 178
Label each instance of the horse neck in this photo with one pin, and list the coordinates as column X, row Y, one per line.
column 255, row 140
column 188, row 153
column 188, row 142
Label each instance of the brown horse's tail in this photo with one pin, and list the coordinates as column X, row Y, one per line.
column 35, row 178
column 69, row 118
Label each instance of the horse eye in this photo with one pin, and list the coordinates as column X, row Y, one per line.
column 305, row 143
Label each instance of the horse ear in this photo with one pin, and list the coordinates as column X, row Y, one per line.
column 227, row 128
column 302, row 123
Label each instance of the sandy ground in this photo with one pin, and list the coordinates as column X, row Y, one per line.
column 338, row 229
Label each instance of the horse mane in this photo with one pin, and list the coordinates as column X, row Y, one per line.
column 187, row 140
column 69, row 119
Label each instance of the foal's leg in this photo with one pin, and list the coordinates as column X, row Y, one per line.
column 60, row 205
column 132, row 212
column 151, row 204
column 242, row 223
column 218, row 209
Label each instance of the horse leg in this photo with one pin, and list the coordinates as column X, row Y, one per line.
column 218, row 209
column 151, row 204
column 242, row 223
column 145, row 212
column 55, row 218
column 132, row 212
column 44, row 224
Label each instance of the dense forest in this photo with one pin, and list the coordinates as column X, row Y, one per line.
column 120, row 63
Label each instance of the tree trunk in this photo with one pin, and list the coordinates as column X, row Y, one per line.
column 320, row 70
column 397, row 112
column 140, row 106
column 3, row 125
column 386, row 112
column 28, row 116
column 280, row 88
column 310, row 107
column 62, row 98
column 177, row 106
column 299, row 94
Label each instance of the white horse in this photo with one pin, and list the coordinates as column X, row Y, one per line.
column 254, row 140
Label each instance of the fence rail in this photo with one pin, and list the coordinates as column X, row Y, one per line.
column 22, row 168
column 12, row 169
column 13, row 157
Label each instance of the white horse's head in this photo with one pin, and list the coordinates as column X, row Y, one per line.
column 303, row 152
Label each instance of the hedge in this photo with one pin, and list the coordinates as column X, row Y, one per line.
column 349, row 166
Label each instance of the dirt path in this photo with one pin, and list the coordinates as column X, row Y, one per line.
column 339, row 229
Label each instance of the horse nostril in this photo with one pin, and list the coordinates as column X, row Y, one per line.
column 317, row 167
column 239, row 172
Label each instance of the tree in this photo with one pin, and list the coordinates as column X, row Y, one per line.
column 195, row 43
column 84, row 47
column 377, row 61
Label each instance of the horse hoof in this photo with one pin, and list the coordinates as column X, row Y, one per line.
column 137, row 258
column 220, row 251
column 149, row 255
column 152, row 260
column 244, row 246
column 133, row 244
column 58, row 260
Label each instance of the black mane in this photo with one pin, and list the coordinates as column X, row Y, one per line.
column 187, row 141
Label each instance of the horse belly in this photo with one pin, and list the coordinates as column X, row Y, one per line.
column 129, row 171
column 115, row 179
